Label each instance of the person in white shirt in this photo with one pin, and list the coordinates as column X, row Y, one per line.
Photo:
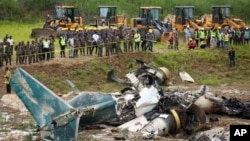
column 10, row 40
column 95, row 41
column 71, row 46
column 46, row 45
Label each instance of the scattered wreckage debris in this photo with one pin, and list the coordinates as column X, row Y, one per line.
column 186, row 77
column 143, row 106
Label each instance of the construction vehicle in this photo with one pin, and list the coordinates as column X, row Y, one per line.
column 149, row 18
column 220, row 17
column 183, row 17
column 65, row 18
column 108, row 18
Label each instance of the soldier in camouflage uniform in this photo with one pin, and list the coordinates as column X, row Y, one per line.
column 108, row 45
column 118, row 43
column 52, row 48
column 125, row 41
column 131, row 40
column 77, row 45
column 25, row 52
column 143, row 39
column 36, row 50
column 28, row 52
column 113, row 44
column 149, row 38
column 176, row 39
column 7, row 54
column 40, row 47
column 1, row 54
column 18, row 49
column 89, row 42
column 32, row 52
column 100, row 47
column 82, row 41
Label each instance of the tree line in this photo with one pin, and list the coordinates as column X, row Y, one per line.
column 36, row 10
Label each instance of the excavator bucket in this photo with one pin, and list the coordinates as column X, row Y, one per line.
column 42, row 32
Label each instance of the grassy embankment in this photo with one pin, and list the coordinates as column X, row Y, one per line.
column 209, row 66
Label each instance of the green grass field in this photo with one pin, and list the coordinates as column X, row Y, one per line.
column 19, row 31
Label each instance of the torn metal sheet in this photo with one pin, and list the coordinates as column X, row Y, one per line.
column 136, row 124
column 112, row 77
column 161, row 126
column 149, row 97
column 186, row 77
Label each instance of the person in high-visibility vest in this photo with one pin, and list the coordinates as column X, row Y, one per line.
column 7, row 77
column 202, row 35
column 219, row 34
column 226, row 40
column 62, row 43
column 137, row 39
column 213, row 40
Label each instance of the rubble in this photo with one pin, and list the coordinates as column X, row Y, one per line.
column 14, row 114
column 11, row 100
column 142, row 107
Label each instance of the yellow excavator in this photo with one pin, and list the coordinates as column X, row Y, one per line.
column 108, row 18
column 64, row 18
column 149, row 18
column 220, row 17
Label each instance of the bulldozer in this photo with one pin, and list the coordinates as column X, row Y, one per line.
column 220, row 17
column 149, row 18
column 108, row 18
column 65, row 18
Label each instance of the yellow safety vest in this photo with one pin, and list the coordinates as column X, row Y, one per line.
column 226, row 37
column 7, row 77
column 63, row 41
column 213, row 34
column 202, row 35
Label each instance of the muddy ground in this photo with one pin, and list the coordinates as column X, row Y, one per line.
column 19, row 115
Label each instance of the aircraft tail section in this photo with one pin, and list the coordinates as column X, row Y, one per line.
column 48, row 110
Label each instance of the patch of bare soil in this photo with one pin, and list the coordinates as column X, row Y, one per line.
column 50, row 67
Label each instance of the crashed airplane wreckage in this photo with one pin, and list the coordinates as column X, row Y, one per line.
column 142, row 107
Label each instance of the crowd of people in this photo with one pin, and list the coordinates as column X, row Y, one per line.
column 216, row 37
column 224, row 38
column 106, row 42
column 100, row 42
